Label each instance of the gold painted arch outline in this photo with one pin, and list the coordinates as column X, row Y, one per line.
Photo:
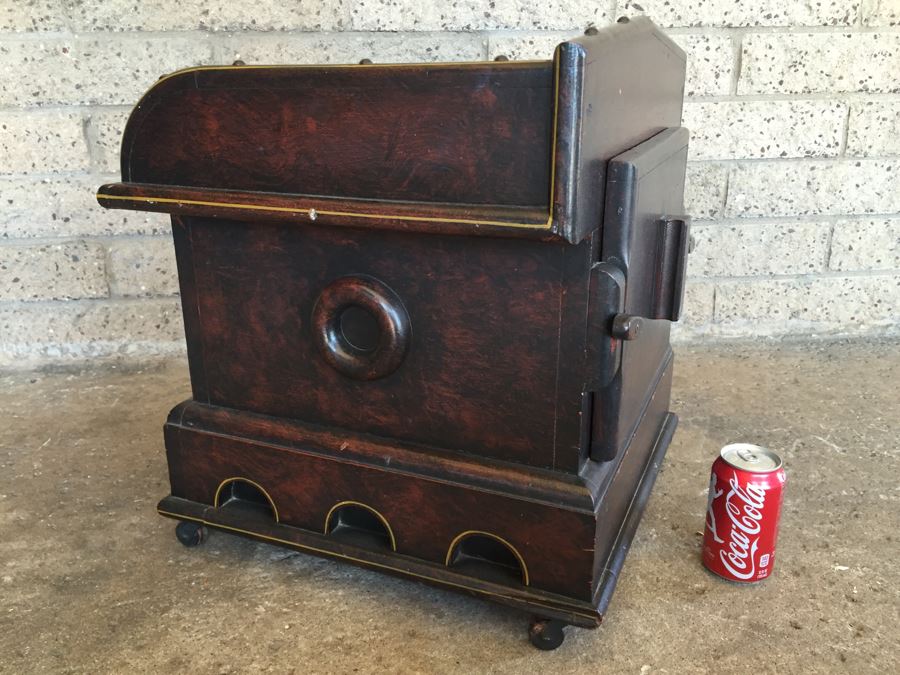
column 468, row 533
column 373, row 511
column 251, row 482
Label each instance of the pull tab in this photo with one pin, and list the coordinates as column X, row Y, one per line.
column 672, row 240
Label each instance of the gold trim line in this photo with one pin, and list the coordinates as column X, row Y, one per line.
column 254, row 484
column 371, row 563
column 548, row 225
column 375, row 512
column 555, row 133
column 468, row 533
column 320, row 212
column 334, row 66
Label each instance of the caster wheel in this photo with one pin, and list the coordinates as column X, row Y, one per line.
column 190, row 533
column 546, row 634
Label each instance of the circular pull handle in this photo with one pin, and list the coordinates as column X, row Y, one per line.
column 361, row 327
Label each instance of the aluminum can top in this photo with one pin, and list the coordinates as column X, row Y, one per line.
column 749, row 457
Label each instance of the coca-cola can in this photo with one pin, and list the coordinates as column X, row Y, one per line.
column 742, row 513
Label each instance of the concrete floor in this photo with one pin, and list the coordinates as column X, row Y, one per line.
column 92, row 580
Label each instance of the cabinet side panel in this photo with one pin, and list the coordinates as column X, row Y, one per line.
column 469, row 133
column 181, row 234
column 626, row 85
column 480, row 371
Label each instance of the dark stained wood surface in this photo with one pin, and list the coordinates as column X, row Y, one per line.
column 458, row 219
column 476, row 401
column 502, row 133
column 616, row 89
column 573, row 402
column 586, row 614
column 614, row 497
column 480, row 373
column 555, row 488
column 550, row 560
column 425, row 515
column 469, row 133
column 646, row 185
column 190, row 309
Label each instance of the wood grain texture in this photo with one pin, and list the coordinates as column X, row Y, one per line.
column 555, row 560
column 458, row 219
column 616, row 89
column 425, row 515
column 478, row 134
column 645, row 185
column 586, row 614
column 532, row 134
column 480, row 374
column 559, row 489
column 390, row 285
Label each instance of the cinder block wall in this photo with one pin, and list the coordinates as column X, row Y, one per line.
column 794, row 108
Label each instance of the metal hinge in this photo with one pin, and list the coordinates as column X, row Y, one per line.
column 607, row 299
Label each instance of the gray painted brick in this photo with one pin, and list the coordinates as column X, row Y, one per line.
column 881, row 12
column 527, row 46
column 81, row 16
column 143, row 267
column 215, row 15
column 32, row 15
column 79, row 204
column 696, row 311
column 823, row 305
column 58, row 271
column 751, row 249
column 710, row 58
column 732, row 13
column 42, row 142
column 800, row 63
column 98, row 56
column 33, row 334
column 866, row 245
column 710, row 64
column 704, row 190
column 351, row 48
column 874, row 129
column 764, row 129
column 465, row 15
column 107, row 126
column 800, row 188
column 112, row 70
column 66, row 207
column 697, row 307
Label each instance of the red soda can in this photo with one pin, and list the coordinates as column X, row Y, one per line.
column 745, row 494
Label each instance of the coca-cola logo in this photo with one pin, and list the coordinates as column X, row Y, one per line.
column 744, row 506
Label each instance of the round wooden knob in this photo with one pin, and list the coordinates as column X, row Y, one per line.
column 361, row 327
